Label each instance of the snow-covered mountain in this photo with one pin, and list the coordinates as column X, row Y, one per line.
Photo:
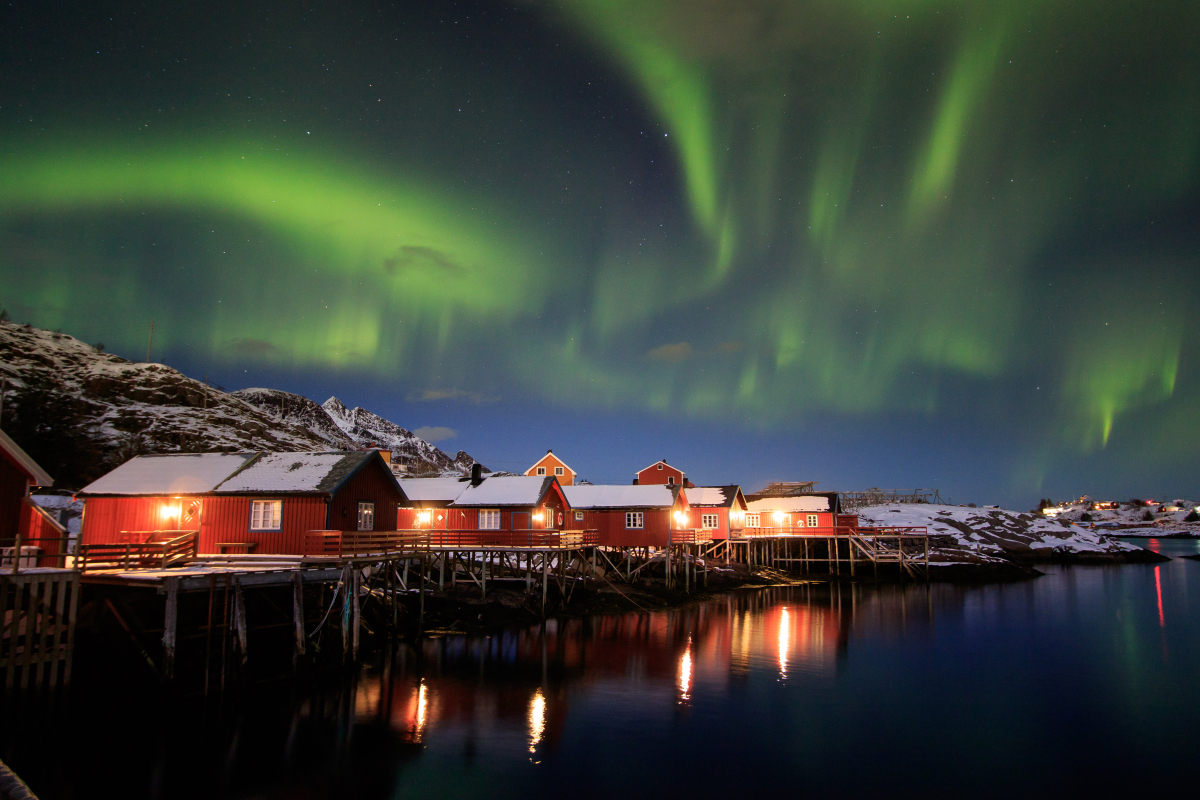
column 346, row 427
column 79, row 412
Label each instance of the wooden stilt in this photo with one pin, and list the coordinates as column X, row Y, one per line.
column 357, row 611
column 298, row 618
column 545, row 581
column 170, row 628
column 212, row 590
column 239, row 618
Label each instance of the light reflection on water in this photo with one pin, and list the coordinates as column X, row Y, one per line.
column 1082, row 681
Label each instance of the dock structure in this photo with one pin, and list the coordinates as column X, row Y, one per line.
column 840, row 550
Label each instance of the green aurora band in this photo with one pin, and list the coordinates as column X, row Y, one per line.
column 877, row 193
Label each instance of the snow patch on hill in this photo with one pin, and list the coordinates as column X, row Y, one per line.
column 959, row 534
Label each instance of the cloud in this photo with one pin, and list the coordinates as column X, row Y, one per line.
column 435, row 434
column 433, row 395
column 671, row 353
column 254, row 348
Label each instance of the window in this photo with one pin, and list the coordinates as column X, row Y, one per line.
column 558, row 470
column 812, row 520
column 579, row 516
column 489, row 519
column 670, row 480
column 753, row 521
column 708, row 521
column 660, row 466
column 541, row 471
column 366, row 516
column 634, row 519
column 266, row 515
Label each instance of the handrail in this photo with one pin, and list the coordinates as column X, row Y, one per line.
column 146, row 554
column 17, row 553
column 534, row 538
column 357, row 543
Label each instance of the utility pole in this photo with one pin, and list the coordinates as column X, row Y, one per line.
column 151, row 342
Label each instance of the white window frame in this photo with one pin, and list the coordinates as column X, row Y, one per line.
column 635, row 520
column 489, row 519
column 670, row 480
column 541, row 471
column 272, row 520
column 813, row 521
column 709, row 522
column 753, row 520
column 558, row 471
column 366, row 516
column 660, row 466
column 579, row 516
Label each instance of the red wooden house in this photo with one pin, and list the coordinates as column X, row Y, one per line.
column 799, row 515
column 429, row 501
column 632, row 516
column 40, row 534
column 717, row 509
column 552, row 465
column 660, row 472
column 258, row 502
column 506, row 511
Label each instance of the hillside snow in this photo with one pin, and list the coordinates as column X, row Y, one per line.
column 959, row 534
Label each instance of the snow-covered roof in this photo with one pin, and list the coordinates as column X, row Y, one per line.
column 38, row 475
column 434, row 490
column 520, row 490
column 804, row 502
column 620, row 496
column 296, row 472
column 181, row 473
column 713, row 496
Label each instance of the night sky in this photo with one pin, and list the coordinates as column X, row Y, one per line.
column 911, row 244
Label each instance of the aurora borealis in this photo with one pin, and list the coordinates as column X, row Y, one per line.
column 809, row 223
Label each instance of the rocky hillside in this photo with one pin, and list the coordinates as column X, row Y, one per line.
column 79, row 412
column 344, row 427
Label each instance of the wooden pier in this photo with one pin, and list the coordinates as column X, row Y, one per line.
column 841, row 550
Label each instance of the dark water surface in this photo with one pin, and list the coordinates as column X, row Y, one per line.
column 1081, row 681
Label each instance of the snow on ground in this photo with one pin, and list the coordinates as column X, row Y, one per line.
column 962, row 534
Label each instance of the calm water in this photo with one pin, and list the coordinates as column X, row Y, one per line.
column 1084, row 680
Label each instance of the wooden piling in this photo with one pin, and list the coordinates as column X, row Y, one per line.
column 170, row 628
column 298, row 618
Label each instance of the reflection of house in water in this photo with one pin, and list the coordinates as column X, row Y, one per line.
column 514, row 688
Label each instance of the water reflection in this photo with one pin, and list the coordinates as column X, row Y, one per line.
column 746, row 694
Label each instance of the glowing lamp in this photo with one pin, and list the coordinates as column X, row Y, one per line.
column 423, row 518
column 779, row 517
column 681, row 517
column 538, row 516
column 169, row 512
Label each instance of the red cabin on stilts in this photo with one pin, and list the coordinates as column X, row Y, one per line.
column 42, row 540
column 633, row 516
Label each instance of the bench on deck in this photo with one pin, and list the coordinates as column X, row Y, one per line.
column 241, row 547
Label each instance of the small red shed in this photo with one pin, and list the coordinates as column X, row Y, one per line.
column 717, row 509
column 631, row 516
column 39, row 532
column 266, row 502
column 798, row 515
column 659, row 473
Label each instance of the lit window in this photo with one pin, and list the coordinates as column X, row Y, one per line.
column 708, row 521
column 812, row 520
column 489, row 519
column 753, row 521
column 541, row 471
column 366, row 516
column 266, row 515
column 579, row 516
column 558, row 470
column 634, row 519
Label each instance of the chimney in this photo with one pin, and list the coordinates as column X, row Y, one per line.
column 476, row 474
column 549, row 451
column 635, row 483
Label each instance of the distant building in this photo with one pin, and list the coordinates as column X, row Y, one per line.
column 660, row 473
column 552, row 466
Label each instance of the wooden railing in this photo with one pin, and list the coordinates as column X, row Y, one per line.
column 691, row 535
column 42, row 551
column 340, row 544
column 541, row 539
column 144, row 550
